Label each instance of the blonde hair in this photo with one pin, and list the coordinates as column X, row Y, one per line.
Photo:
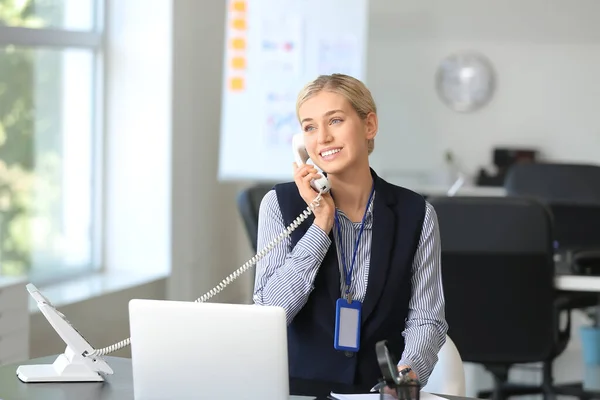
column 355, row 91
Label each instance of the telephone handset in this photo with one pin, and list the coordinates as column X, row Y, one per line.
column 321, row 185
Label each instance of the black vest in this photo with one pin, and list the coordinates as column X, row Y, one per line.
column 398, row 215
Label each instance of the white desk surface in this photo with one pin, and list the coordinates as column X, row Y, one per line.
column 577, row 283
column 477, row 191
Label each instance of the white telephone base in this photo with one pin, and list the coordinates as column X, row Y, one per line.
column 71, row 366
column 68, row 367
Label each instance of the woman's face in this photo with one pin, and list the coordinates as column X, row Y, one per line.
column 334, row 135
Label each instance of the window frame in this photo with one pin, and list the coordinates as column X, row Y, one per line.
column 93, row 40
column 50, row 37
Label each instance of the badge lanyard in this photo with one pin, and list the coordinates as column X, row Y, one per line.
column 348, row 311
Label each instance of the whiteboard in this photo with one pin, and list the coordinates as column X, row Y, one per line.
column 272, row 49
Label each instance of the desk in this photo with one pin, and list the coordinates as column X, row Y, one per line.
column 584, row 285
column 577, row 283
column 565, row 280
column 474, row 191
column 120, row 385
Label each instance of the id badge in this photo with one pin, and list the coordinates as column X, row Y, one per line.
column 347, row 325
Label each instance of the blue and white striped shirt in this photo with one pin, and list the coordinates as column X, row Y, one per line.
column 285, row 276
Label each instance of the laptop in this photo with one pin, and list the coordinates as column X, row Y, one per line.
column 187, row 350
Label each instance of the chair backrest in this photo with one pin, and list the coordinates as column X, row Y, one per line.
column 448, row 376
column 248, row 202
column 576, row 225
column 571, row 191
column 572, row 183
column 498, row 277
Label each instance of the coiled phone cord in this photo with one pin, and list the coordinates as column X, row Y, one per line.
column 233, row 276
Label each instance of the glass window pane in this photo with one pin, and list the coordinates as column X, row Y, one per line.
column 61, row 14
column 46, row 126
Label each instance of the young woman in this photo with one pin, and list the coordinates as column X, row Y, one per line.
column 369, row 244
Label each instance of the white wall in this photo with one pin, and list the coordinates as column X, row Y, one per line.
column 165, row 210
column 546, row 54
column 138, row 135
column 208, row 241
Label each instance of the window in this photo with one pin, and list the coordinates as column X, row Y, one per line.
column 50, row 69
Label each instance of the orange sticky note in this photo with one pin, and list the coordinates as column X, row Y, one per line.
column 238, row 62
column 238, row 43
column 236, row 83
column 239, row 6
column 239, row 24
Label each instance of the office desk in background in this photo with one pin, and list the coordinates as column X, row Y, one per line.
column 577, row 283
column 119, row 386
column 475, row 191
column 441, row 190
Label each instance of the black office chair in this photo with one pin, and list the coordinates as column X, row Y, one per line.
column 498, row 276
column 576, row 225
column 248, row 202
column 572, row 192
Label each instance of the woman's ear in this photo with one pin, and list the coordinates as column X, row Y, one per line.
column 372, row 125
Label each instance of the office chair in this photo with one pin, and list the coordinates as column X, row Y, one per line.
column 576, row 225
column 448, row 375
column 248, row 202
column 572, row 192
column 498, row 276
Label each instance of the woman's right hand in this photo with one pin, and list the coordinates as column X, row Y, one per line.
column 325, row 212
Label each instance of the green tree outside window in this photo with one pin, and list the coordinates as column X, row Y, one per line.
column 30, row 160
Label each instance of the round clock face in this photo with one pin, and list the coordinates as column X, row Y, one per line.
column 465, row 81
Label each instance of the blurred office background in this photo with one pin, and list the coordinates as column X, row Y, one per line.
column 110, row 121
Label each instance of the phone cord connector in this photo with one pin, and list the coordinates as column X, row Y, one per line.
column 233, row 276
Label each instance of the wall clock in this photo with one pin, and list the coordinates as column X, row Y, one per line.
column 465, row 81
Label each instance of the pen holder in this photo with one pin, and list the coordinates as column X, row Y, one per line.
column 406, row 389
